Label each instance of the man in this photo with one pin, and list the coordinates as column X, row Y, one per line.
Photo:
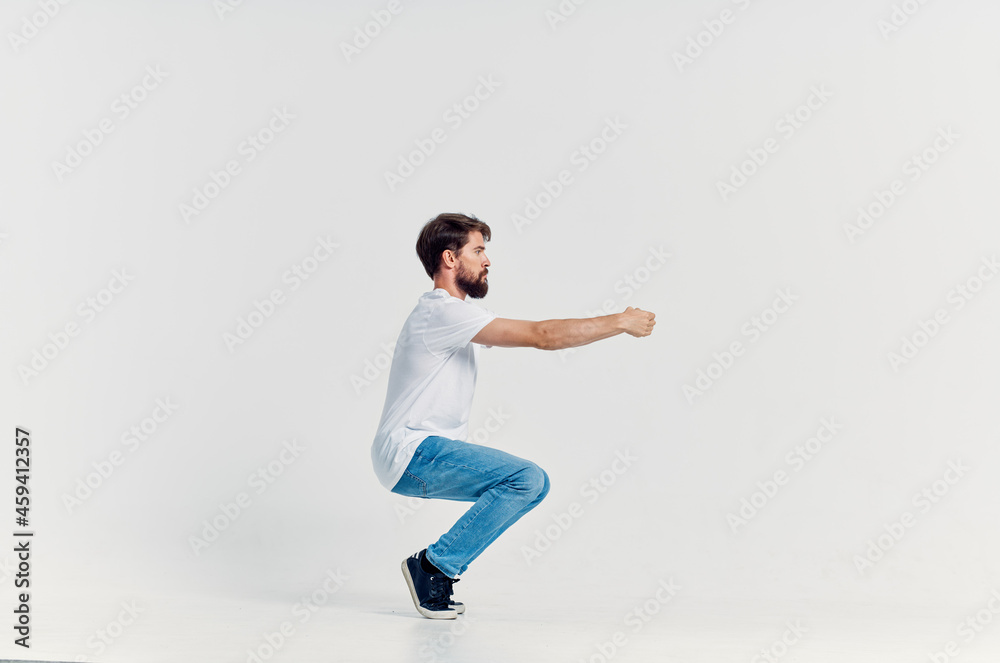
column 419, row 449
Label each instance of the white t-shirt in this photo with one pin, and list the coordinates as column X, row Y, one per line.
column 431, row 380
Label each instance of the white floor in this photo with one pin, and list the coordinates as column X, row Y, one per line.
column 501, row 627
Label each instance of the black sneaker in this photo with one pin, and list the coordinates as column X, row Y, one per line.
column 458, row 606
column 431, row 592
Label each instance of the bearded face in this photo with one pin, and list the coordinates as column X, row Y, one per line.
column 475, row 284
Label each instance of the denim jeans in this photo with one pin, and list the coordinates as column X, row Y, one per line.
column 503, row 487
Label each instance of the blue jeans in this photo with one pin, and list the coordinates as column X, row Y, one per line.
column 503, row 487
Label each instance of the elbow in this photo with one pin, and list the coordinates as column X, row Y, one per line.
column 544, row 339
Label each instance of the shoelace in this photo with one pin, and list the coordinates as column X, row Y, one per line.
column 450, row 589
column 441, row 589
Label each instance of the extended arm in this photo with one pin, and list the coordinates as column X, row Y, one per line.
column 561, row 334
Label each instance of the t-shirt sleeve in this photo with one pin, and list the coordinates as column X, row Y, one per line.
column 453, row 325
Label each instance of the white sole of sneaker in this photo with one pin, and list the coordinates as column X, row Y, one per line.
column 430, row 614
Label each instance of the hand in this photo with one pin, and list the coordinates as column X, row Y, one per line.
column 638, row 322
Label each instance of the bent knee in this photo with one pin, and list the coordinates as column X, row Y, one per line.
column 536, row 481
column 545, row 484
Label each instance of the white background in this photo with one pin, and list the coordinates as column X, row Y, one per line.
column 301, row 375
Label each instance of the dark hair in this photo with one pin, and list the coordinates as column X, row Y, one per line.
column 446, row 232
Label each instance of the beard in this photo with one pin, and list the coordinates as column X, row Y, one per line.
column 475, row 287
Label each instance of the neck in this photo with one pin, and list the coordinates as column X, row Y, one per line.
column 451, row 288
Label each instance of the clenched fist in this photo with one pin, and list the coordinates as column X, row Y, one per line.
column 638, row 322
